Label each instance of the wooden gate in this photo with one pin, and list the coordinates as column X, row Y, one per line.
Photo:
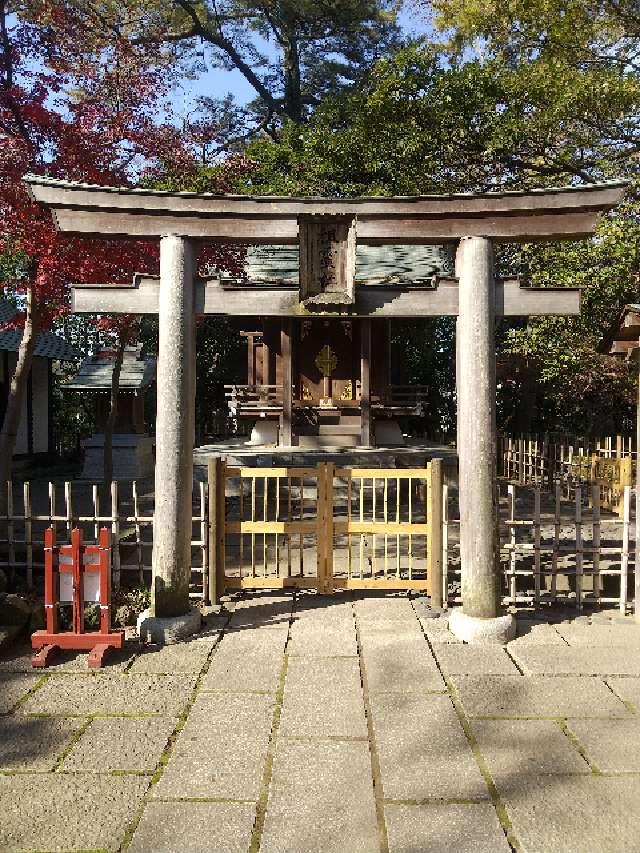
column 325, row 528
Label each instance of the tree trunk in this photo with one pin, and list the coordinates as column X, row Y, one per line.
column 113, row 413
column 292, row 82
column 15, row 399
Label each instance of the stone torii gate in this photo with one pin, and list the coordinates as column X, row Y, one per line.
column 327, row 232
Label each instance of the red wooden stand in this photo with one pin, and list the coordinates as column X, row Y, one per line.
column 49, row 642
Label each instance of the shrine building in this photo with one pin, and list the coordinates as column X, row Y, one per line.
column 345, row 388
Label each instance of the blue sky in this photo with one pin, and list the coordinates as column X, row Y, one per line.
column 218, row 82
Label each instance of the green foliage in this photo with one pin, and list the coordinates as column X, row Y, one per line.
column 578, row 31
column 418, row 126
column 15, row 265
column 220, row 358
column 424, row 125
column 128, row 605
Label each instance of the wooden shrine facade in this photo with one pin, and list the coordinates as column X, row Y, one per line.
column 327, row 233
column 340, row 385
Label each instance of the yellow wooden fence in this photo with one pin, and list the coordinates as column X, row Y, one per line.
column 325, row 528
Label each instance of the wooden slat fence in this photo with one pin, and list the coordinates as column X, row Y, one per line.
column 128, row 514
column 553, row 550
column 569, row 461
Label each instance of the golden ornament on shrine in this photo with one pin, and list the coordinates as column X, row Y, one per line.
column 326, row 360
column 347, row 392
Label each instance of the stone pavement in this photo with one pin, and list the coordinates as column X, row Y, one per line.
column 349, row 724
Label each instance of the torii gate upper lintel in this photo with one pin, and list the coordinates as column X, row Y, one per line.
column 327, row 232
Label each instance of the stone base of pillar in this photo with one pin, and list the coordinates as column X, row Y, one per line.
column 165, row 630
column 473, row 629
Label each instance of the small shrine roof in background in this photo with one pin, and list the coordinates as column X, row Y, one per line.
column 623, row 337
column 382, row 265
column 48, row 345
column 95, row 372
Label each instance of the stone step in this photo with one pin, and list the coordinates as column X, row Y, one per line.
column 339, row 429
column 334, row 440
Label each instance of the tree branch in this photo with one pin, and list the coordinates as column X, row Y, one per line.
column 220, row 41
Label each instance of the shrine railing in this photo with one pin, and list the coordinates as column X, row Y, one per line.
column 253, row 396
column 408, row 395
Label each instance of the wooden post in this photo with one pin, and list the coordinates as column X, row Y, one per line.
column 50, row 585
column 266, row 373
column 624, row 560
column 324, row 535
column 78, row 581
column 286, row 431
column 251, row 359
column 115, row 531
column 217, row 520
column 28, row 534
column 434, row 542
column 365, row 382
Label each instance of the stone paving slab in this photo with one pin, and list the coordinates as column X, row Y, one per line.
column 241, row 640
column 189, row 657
column 463, row 659
column 391, row 627
column 322, row 640
column 69, row 695
column 221, row 750
column 574, row 814
column 332, row 609
column 533, row 633
column 612, row 745
column 323, row 697
column 320, row 799
column 34, row 743
column 64, row 813
column 612, row 634
column 423, row 750
column 536, row 696
column 437, row 630
column 18, row 659
column 399, row 664
column 576, row 660
column 628, row 689
column 383, row 607
column 120, row 743
column 199, row 827
column 434, row 827
column 260, row 611
column 13, row 686
column 250, row 670
column 512, row 747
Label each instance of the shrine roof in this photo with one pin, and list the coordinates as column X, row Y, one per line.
column 95, row 372
column 48, row 344
column 375, row 265
column 513, row 215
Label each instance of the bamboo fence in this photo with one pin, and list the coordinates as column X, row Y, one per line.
column 553, row 550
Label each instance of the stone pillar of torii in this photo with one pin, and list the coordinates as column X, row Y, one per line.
column 327, row 232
